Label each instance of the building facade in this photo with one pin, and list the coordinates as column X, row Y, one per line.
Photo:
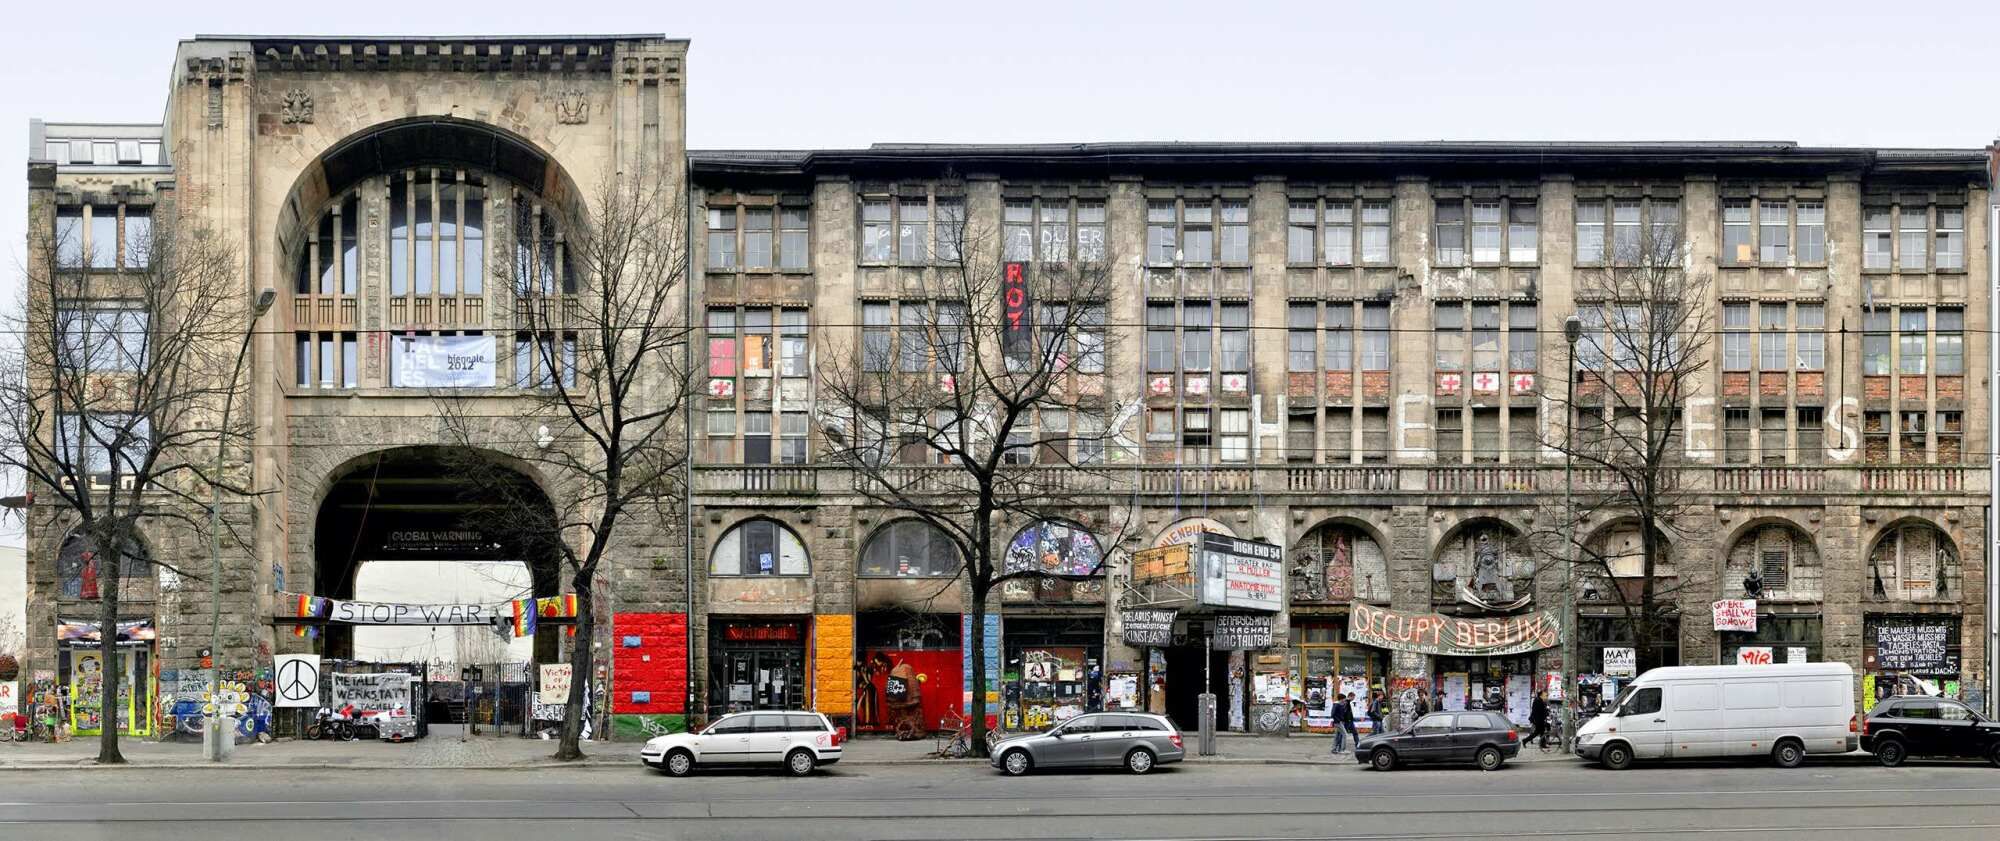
column 1345, row 350
column 1354, row 352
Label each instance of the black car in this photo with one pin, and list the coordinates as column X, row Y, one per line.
column 1485, row 738
column 1940, row 728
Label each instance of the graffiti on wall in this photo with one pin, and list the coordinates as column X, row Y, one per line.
column 184, row 697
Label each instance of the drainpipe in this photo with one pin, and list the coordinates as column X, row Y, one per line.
column 1992, row 436
column 687, row 431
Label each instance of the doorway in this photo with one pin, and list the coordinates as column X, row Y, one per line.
column 756, row 665
column 1186, row 681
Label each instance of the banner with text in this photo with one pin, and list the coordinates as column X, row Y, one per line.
column 1735, row 615
column 378, row 691
column 1435, row 633
column 442, row 361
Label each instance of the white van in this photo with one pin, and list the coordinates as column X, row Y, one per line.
column 1693, row 712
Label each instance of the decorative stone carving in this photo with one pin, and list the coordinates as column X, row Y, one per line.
column 298, row 107
column 572, row 107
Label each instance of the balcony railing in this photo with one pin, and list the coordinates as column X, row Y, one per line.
column 1913, row 478
column 757, row 479
column 1197, row 479
column 1330, row 478
column 1484, row 479
column 1759, row 479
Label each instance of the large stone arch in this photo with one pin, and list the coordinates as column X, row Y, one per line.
column 359, row 503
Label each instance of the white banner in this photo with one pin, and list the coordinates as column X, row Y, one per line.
column 1754, row 655
column 295, row 681
column 442, row 361
column 379, row 691
column 1736, row 615
column 555, row 685
column 385, row 613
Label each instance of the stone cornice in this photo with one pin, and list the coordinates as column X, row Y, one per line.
column 526, row 54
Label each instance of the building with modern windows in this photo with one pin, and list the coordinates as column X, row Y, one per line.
column 1357, row 353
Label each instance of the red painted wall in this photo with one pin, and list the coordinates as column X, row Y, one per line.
column 658, row 664
column 942, row 673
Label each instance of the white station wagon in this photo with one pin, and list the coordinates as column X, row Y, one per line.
column 798, row 741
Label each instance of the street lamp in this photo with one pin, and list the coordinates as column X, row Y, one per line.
column 212, row 735
column 1572, row 330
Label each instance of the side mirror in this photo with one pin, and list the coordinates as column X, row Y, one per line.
column 1057, row 734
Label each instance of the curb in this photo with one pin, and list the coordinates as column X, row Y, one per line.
column 87, row 765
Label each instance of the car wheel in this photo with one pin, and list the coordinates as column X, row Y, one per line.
column 1017, row 762
column 1994, row 755
column 1617, row 756
column 1383, row 759
column 1890, row 753
column 1139, row 761
column 679, row 763
column 800, row 762
column 1788, row 754
column 1489, row 758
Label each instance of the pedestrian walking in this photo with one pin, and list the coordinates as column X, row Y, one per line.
column 1378, row 708
column 1353, row 736
column 1538, row 715
column 1423, row 707
column 1343, row 722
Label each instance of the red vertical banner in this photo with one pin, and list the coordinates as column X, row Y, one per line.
column 1017, row 323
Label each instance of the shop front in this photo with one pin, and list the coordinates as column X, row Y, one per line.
column 1608, row 658
column 1052, row 670
column 908, row 675
column 1910, row 654
column 1324, row 666
column 81, row 666
column 756, row 664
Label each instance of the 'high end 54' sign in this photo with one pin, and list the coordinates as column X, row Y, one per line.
column 1435, row 633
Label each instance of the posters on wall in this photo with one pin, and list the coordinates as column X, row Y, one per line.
column 442, row 361
column 1356, row 690
column 1455, row 687
column 991, row 658
column 9, row 703
column 1520, row 697
column 1795, row 654
column 1735, row 615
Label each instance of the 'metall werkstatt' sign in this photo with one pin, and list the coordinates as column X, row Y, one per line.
column 1435, row 633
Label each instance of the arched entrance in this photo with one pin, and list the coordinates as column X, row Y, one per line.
column 417, row 524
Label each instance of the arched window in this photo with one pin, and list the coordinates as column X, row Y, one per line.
column 444, row 237
column 78, row 562
column 759, row 547
column 909, row 549
column 1054, row 548
column 1487, row 564
column 1338, row 563
column 1913, row 561
column 1784, row 558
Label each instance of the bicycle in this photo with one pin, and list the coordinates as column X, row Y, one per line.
column 954, row 738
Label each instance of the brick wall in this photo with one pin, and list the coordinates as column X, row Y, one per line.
column 656, row 665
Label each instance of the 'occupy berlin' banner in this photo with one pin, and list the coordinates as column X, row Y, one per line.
column 1435, row 633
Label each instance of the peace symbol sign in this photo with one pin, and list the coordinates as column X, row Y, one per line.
column 298, row 680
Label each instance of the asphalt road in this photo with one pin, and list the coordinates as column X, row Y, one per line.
column 960, row 801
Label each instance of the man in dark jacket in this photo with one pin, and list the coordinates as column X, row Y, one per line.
column 1378, row 709
column 1343, row 722
column 1538, row 715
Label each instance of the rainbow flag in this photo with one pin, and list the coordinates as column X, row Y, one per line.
column 306, row 631
column 309, row 606
column 563, row 605
column 524, row 617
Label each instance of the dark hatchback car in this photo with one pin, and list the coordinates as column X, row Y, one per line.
column 1486, row 739
column 1931, row 728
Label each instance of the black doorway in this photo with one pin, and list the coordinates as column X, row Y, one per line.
column 1184, row 685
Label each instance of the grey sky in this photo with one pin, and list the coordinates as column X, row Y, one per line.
column 800, row 74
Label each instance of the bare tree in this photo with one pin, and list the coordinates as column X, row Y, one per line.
column 605, row 356
column 1643, row 348
column 984, row 406
column 113, row 404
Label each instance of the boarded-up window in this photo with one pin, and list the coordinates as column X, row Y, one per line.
column 1774, row 554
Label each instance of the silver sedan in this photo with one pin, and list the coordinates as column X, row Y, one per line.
column 1134, row 741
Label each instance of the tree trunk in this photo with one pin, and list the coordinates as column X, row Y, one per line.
column 976, row 640
column 108, row 570
column 569, row 749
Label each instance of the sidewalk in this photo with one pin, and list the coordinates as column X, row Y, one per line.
column 444, row 749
